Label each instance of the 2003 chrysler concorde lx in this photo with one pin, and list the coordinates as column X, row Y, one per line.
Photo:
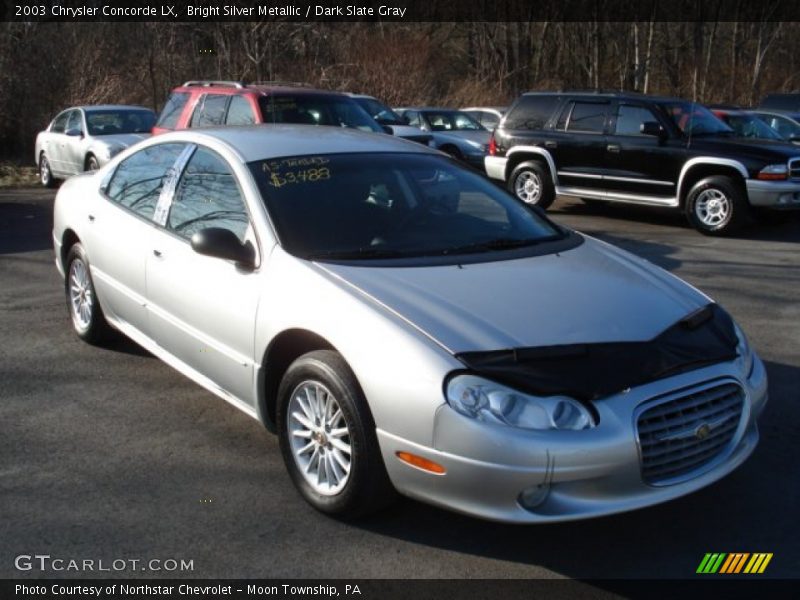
column 408, row 327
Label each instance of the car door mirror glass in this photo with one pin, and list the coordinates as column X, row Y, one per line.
column 223, row 243
column 74, row 132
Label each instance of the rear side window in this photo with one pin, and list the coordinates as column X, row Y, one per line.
column 587, row 117
column 172, row 110
column 137, row 182
column 210, row 110
column 531, row 112
column 207, row 196
column 240, row 112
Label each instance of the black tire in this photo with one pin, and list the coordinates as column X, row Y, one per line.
column 90, row 325
column 717, row 205
column 91, row 163
column 45, row 174
column 531, row 183
column 366, row 488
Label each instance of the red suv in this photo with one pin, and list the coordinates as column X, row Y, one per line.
column 210, row 103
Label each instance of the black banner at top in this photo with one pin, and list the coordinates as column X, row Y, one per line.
column 398, row 10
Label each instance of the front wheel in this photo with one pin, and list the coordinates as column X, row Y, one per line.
column 717, row 206
column 531, row 183
column 84, row 309
column 327, row 438
column 92, row 164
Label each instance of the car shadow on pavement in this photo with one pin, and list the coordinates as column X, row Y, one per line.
column 119, row 342
column 740, row 513
column 25, row 227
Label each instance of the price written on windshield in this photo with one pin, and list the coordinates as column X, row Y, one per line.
column 300, row 176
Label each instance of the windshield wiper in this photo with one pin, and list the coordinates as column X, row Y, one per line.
column 355, row 253
column 495, row 244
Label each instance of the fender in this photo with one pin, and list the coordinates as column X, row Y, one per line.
column 541, row 152
column 709, row 160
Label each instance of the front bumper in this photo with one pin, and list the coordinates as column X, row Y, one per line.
column 774, row 194
column 577, row 474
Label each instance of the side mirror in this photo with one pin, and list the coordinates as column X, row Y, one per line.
column 74, row 132
column 223, row 243
column 653, row 128
column 387, row 129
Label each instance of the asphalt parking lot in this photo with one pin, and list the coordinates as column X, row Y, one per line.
column 107, row 453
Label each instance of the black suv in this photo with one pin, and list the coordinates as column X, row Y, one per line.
column 638, row 149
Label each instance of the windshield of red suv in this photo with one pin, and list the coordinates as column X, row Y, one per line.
column 316, row 109
column 111, row 122
column 694, row 119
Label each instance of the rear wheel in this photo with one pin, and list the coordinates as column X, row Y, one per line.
column 327, row 438
column 84, row 309
column 91, row 163
column 531, row 183
column 45, row 174
column 717, row 206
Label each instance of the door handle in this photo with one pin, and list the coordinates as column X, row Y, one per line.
column 157, row 253
column 551, row 144
column 613, row 148
column 91, row 218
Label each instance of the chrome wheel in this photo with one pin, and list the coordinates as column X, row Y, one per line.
column 528, row 187
column 712, row 207
column 91, row 164
column 44, row 171
column 319, row 438
column 81, row 298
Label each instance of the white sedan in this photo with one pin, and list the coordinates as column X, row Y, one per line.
column 405, row 325
column 85, row 138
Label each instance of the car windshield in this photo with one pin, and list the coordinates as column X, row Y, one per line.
column 316, row 110
column 111, row 122
column 695, row 119
column 452, row 121
column 783, row 125
column 750, row 126
column 380, row 112
column 391, row 205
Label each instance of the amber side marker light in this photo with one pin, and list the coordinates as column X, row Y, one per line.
column 421, row 463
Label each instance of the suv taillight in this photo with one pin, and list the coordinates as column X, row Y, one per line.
column 492, row 145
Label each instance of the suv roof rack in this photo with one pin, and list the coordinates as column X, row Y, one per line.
column 212, row 83
column 284, row 83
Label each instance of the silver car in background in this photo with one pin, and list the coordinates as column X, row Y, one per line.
column 406, row 326
column 84, row 138
column 454, row 132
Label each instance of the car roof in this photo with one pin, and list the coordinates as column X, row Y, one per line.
column 611, row 94
column 266, row 141
column 262, row 89
column 91, row 107
column 433, row 108
column 495, row 108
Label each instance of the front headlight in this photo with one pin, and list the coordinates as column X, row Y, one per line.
column 745, row 359
column 492, row 402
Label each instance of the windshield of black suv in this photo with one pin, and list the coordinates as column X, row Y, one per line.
column 390, row 205
column 380, row 112
column 440, row 120
column 316, row 109
column 694, row 119
column 111, row 122
column 749, row 126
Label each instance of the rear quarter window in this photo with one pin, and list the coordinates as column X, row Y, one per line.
column 172, row 110
column 531, row 112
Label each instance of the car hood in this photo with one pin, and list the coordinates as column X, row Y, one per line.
column 591, row 294
column 741, row 147
column 479, row 137
column 121, row 139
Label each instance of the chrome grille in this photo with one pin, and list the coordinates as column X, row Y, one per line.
column 794, row 168
column 680, row 435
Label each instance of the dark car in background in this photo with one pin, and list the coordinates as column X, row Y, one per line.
column 784, row 124
column 746, row 124
column 386, row 117
column 453, row 131
column 640, row 149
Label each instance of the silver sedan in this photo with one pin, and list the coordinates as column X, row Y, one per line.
column 405, row 326
column 84, row 138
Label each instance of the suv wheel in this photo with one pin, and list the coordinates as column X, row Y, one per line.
column 531, row 183
column 717, row 206
column 327, row 438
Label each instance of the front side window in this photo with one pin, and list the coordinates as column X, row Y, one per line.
column 112, row 122
column 413, row 118
column 172, row 110
column 389, row 205
column 210, row 110
column 75, row 122
column 137, row 181
column 694, row 119
column 207, row 196
column 380, row 112
column 60, row 123
column 588, row 117
column 631, row 118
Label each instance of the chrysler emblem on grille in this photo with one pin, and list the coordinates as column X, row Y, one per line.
column 703, row 431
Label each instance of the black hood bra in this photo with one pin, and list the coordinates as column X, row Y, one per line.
column 593, row 371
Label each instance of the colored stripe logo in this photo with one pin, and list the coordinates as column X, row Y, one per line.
column 734, row 563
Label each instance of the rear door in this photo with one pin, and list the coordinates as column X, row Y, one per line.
column 638, row 164
column 578, row 143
